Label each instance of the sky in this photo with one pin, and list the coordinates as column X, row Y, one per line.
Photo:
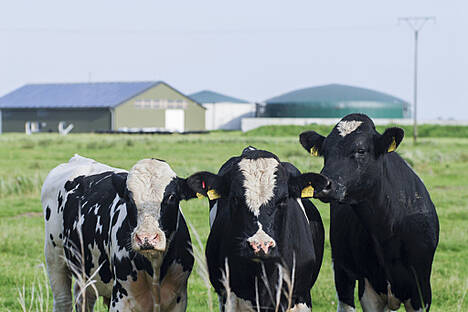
column 252, row 50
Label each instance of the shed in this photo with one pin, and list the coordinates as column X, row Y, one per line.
column 100, row 106
column 222, row 111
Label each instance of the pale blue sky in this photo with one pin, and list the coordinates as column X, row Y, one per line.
column 249, row 49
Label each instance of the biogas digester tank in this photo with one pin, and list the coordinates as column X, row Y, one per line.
column 334, row 101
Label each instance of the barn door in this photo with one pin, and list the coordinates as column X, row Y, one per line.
column 175, row 119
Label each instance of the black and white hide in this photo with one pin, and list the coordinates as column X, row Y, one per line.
column 124, row 232
column 384, row 228
column 263, row 234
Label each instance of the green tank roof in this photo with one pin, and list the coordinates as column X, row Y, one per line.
column 335, row 101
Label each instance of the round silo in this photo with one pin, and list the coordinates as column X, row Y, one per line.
column 335, row 101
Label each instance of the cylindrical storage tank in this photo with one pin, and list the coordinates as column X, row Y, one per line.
column 334, row 101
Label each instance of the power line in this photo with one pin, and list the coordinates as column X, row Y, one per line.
column 416, row 24
column 196, row 31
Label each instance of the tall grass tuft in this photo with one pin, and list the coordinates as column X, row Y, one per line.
column 39, row 294
column 202, row 268
column 284, row 287
column 462, row 298
column 81, row 279
column 20, row 185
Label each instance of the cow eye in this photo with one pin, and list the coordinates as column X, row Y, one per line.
column 171, row 198
column 361, row 151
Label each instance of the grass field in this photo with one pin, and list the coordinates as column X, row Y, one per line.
column 25, row 161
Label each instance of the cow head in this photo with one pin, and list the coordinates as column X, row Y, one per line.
column 152, row 193
column 353, row 154
column 256, row 188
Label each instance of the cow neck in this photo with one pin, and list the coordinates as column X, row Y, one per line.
column 156, row 263
column 373, row 209
column 375, row 215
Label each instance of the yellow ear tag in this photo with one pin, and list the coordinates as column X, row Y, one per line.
column 200, row 195
column 392, row 146
column 314, row 151
column 307, row 192
column 212, row 195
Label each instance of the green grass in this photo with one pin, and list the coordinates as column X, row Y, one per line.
column 424, row 130
column 25, row 161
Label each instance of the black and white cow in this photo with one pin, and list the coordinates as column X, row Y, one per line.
column 259, row 219
column 384, row 228
column 136, row 245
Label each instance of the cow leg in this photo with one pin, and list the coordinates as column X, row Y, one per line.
column 409, row 307
column 221, row 303
column 177, row 301
column 422, row 280
column 174, row 289
column 88, row 297
column 59, row 277
column 300, row 307
column 106, row 302
column 344, row 289
column 370, row 300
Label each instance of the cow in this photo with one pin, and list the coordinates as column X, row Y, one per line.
column 122, row 233
column 262, row 230
column 384, row 228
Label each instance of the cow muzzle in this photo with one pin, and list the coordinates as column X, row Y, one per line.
column 150, row 242
column 331, row 191
column 261, row 243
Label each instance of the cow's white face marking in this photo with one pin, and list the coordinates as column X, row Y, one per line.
column 147, row 180
column 346, row 127
column 259, row 181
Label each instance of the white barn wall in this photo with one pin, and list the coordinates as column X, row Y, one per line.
column 227, row 115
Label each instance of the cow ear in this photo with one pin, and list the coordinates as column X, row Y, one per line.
column 312, row 142
column 207, row 184
column 304, row 185
column 119, row 181
column 389, row 140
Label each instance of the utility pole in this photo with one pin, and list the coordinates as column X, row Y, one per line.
column 416, row 24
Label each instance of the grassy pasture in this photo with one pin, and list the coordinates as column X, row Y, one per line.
column 25, row 161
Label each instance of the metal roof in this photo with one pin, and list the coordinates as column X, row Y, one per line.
column 74, row 95
column 207, row 96
column 333, row 93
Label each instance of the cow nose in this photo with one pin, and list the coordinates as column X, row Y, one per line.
column 325, row 191
column 262, row 245
column 147, row 241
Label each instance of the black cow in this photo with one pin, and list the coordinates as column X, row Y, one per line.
column 122, row 231
column 262, row 230
column 384, row 228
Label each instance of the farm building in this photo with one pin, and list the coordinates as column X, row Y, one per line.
column 103, row 106
column 334, row 101
column 222, row 111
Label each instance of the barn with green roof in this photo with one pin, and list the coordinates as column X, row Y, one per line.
column 334, row 101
